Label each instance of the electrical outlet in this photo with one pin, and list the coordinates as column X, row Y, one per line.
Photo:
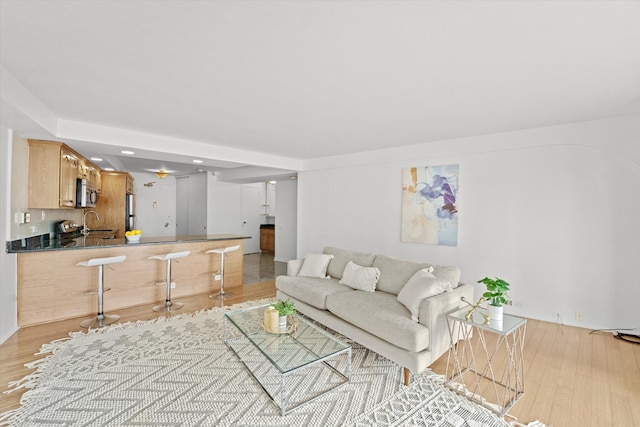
column 217, row 277
column 579, row 315
column 173, row 285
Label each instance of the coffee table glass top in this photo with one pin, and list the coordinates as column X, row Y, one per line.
column 287, row 352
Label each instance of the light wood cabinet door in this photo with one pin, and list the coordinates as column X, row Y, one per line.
column 68, row 175
column 129, row 184
column 267, row 240
column 90, row 172
column 53, row 170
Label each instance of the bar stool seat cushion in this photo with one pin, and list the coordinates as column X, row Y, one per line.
column 102, row 261
column 171, row 255
column 224, row 250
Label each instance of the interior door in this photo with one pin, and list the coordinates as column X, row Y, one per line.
column 182, row 206
column 251, row 218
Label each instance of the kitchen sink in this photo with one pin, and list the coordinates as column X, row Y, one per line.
column 104, row 234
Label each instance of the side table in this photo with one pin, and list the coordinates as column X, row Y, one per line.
column 488, row 368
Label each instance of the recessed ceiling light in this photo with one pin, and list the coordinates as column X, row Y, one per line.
column 127, row 152
column 108, row 169
column 96, row 159
column 197, row 161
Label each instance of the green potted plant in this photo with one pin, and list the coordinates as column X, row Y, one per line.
column 284, row 308
column 496, row 295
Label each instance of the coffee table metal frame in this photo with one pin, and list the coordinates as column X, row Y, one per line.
column 288, row 353
column 506, row 379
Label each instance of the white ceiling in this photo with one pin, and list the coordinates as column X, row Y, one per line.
column 280, row 83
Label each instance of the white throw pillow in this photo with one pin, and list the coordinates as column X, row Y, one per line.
column 315, row 265
column 362, row 278
column 422, row 285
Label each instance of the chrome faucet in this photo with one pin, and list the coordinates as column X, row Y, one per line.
column 85, row 229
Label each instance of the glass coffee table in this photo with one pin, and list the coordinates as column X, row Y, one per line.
column 276, row 360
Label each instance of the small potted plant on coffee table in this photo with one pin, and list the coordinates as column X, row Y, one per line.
column 284, row 308
column 496, row 295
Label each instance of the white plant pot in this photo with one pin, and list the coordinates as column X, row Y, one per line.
column 282, row 323
column 495, row 312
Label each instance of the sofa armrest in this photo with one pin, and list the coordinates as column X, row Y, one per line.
column 433, row 315
column 293, row 266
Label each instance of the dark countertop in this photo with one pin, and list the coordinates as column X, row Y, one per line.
column 97, row 241
column 268, row 226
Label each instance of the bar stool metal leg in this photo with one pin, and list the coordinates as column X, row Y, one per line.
column 222, row 294
column 168, row 305
column 101, row 319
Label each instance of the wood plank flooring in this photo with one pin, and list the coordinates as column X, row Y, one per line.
column 572, row 377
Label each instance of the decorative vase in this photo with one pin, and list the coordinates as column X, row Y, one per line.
column 282, row 323
column 495, row 312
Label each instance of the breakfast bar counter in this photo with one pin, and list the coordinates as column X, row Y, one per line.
column 51, row 286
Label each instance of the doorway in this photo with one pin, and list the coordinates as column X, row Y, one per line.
column 251, row 218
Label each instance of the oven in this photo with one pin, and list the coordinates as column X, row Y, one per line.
column 66, row 233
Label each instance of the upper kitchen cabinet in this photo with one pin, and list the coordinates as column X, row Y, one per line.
column 53, row 169
column 129, row 184
column 91, row 173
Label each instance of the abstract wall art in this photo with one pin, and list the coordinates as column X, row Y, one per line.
column 430, row 205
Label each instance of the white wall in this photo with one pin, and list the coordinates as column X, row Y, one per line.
column 155, row 204
column 8, row 275
column 286, row 220
column 224, row 207
column 554, row 211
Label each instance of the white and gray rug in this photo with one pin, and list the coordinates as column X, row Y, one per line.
column 177, row 371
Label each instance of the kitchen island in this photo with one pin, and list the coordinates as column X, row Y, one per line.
column 51, row 286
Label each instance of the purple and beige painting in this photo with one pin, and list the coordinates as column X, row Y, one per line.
column 430, row 205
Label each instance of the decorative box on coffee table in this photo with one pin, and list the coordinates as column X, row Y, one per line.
column 273, row 358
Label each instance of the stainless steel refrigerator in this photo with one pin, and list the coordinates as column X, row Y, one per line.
column 130, row 212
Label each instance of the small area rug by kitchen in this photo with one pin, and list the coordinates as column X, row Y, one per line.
column 178, row 371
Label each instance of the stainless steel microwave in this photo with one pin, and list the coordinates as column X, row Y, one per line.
column 86, row 194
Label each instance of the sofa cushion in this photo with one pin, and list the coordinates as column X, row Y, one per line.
column 315, row 265
column 310, row 290
column 380, row 314
column 341, row 257
column 360, row 278
column 421, row 285
column 394, row 272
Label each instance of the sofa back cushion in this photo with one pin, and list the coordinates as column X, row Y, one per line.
column 342, row 256
column 449, row 273
column 395, row 272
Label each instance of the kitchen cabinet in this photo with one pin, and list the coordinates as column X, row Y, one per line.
column 129, row 188
column 90, row 172
column 111, row 206
column 267, row 240
column 53, row 169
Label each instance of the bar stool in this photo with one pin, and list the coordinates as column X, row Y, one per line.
column 102, row 319
column 222, row 251
column 169, row 305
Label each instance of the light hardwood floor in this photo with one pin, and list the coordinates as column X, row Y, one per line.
column 572, row 377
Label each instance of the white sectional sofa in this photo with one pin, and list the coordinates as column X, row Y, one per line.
column 402, row 316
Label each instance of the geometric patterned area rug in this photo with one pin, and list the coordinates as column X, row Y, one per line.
column 178, row 371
